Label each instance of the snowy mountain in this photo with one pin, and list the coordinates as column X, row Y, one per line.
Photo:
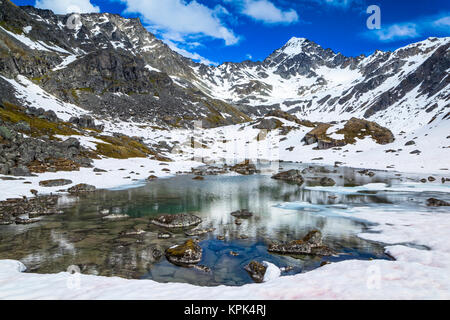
column 112, row 65
column 304, row 79
column 113, row 69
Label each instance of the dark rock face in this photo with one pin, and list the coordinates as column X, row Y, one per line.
column 290, row 176
column 242, row 214
column 115, row 77
column 432, row 202
column 188, row 253
column 81, row 188
column 256, row 270
column 176, row 220
column 38, row 151
column 311, row 244
column 55, row 183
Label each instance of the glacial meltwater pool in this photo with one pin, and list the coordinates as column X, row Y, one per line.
column 282, row 212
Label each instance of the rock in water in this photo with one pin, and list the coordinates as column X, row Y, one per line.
column 242, row 214
column 290, row 176
column 311, row 244
column 256, row 270
column 176, row 220
column 198, row 232
column 188, row 253
column 245, row 168
column 432, row 202
column 327, row 182
column 81, row 188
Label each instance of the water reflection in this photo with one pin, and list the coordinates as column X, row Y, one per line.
column 282, row 212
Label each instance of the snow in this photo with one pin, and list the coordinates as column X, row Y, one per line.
column 34, row 96
column 67, row 60
column 272, row 272
column 415, row 274
column 35, row 45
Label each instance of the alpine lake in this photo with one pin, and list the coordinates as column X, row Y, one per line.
column 282, row 212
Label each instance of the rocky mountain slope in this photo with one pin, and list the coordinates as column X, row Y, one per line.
column 143, row 97
column 106, row 64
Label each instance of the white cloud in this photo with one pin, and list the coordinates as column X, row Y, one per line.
column 180, row 19
column 67, row 6
column 192, row 55
column 265, row 11
column 437, row 25
column 443, row 22
column 397, row 32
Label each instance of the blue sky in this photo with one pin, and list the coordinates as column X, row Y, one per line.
column 215, row 31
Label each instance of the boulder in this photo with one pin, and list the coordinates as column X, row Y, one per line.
column 327, row 182
column 245, row 168
column 256, row 270
column 290, row 176
column 311, row 244
column 188, row 253
column 433, row 202
column 269, row 124
column 242, row 214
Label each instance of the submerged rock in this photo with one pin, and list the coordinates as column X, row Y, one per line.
column 432, row 202
column 290, row 176
column 181, row 220
column 26, row 221
column 164, row 235
column 256, row 270
column 187, row 253
column 242, row 214
column 198, row 232
column 311, row 244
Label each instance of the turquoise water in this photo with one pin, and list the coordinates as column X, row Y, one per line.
column 282, row 212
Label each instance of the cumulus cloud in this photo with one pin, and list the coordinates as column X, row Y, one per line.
column 265, row 11
column 436, row 25
column 67, row 6
column 180, row 19
column 192, row 55
column 398, row 31
column 443, row 22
